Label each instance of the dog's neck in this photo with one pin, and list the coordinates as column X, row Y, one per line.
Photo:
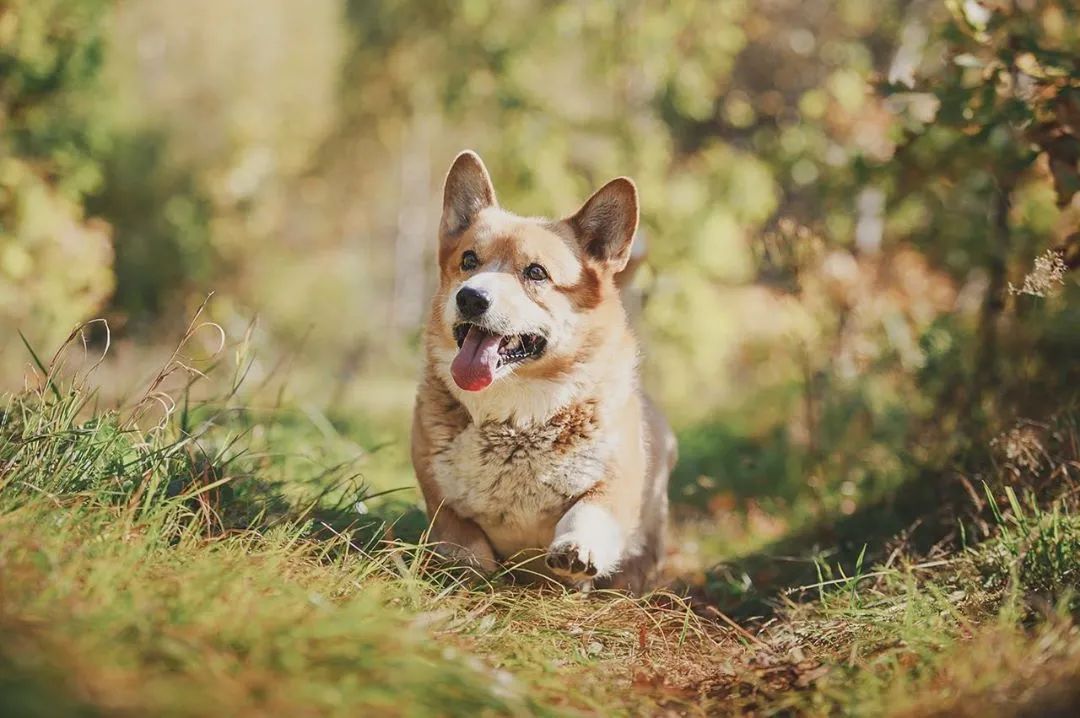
column 522, row 402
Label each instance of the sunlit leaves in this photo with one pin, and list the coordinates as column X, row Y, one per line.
column 55, row 267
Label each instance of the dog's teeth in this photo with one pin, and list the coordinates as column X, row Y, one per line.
column 513, row 344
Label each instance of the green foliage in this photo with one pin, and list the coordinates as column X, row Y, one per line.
column 50, row 62
column 1035, row 547
column 1004, row 97
column 219, row 121
column 160, row 221
column 54, row 264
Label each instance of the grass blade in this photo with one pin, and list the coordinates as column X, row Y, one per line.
column 38, row 363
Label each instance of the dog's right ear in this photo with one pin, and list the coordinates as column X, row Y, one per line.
column 467, row 190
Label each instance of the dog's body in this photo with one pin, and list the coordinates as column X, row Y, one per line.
column 531, row 436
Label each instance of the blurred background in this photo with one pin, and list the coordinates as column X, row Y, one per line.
column 860, row 216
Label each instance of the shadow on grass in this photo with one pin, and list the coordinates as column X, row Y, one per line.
column 909, row 520
column 913, row 513
column 303, row 470
column 935, row 507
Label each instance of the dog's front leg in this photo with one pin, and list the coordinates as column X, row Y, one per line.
column 462, row 541
column 589, row 542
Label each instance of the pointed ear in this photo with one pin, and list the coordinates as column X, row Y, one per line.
column 467, row 190
column 606, row 223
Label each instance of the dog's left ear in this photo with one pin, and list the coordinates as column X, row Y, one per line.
column 606, row 223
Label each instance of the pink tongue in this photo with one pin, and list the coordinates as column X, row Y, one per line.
column 474, row 366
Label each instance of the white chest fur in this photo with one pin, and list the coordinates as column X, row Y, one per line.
column 516, row 482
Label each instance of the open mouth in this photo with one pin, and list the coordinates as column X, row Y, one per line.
column 512, row 348
column 481, row 353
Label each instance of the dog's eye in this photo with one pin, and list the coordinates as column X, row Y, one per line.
column 536, row 273
column 469, row 261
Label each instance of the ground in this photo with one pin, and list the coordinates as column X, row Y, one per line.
column 236, row 559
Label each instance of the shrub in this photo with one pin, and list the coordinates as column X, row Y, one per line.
column 54, row 263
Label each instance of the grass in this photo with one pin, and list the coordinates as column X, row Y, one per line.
column 223, row 556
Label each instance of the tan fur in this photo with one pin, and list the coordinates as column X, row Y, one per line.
column 562, row 457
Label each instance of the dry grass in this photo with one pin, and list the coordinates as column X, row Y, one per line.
column 194, row 567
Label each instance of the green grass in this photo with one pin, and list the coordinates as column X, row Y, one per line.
column 211, row 560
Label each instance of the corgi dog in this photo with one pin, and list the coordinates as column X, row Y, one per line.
column 533, row 444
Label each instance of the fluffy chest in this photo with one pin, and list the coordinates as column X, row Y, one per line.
column 517, row 481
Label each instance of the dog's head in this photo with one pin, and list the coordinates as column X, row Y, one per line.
column 524, row 295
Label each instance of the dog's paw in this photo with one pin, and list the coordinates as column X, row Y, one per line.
column 569, row 560
column 477, row 559
column 588, row 544
column 578, row 562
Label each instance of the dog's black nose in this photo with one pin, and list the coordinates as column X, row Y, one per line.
column 472, row 302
